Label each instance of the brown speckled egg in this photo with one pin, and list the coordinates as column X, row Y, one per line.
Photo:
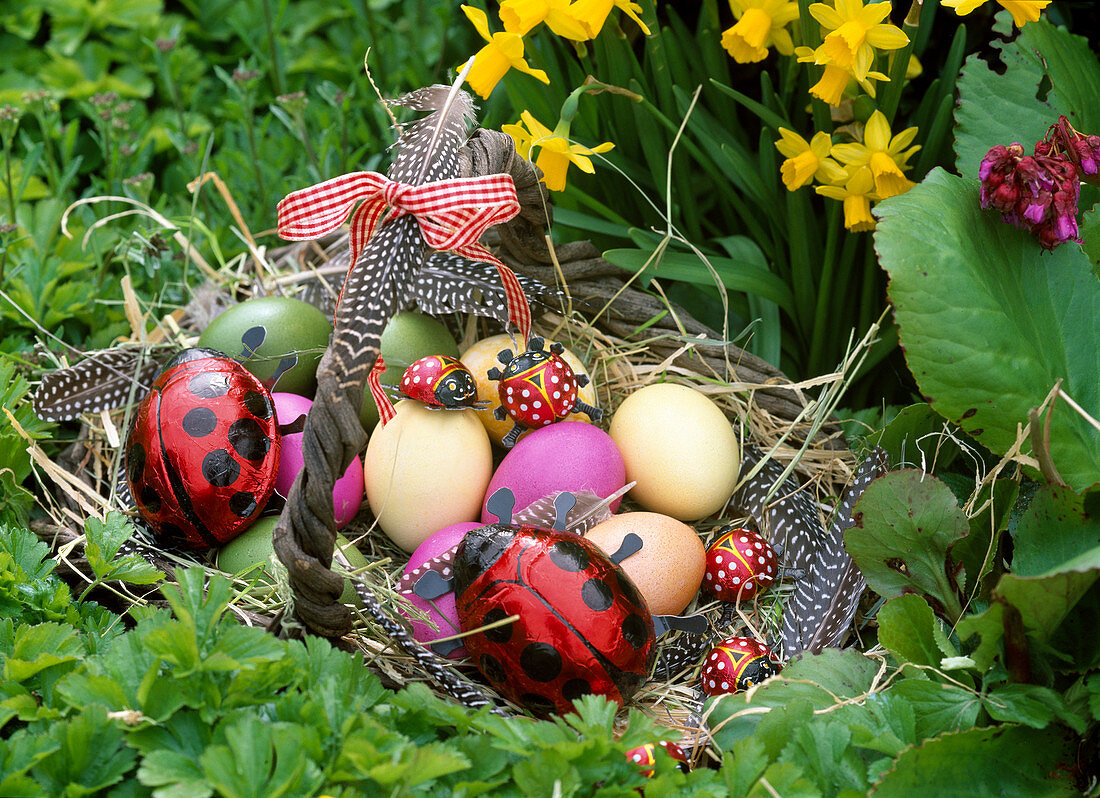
column 740, row 564
column 670, row 565
column 735, row 664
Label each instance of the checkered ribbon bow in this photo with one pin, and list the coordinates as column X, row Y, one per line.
column 452, row 215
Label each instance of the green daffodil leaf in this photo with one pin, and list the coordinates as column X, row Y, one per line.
column 989, row 322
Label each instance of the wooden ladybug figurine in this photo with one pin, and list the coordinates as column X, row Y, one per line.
column 739, row 565
column 736, row 664
column 440, row 381
column 537, row 387
column 203, row 451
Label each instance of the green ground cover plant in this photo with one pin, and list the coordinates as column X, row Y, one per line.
column 977, row 669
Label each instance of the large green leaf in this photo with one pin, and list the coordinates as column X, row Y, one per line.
column 1012, row 106
column 999, row 760
column 1057, row 527
column 905, row 523
column 989, row 322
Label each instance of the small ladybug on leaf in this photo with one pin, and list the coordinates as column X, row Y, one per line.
column 646, row 755
column 579, row 625
column 537, row 387
column 440, row 381
column 203, row 451
column 740, row 564
column 737, row 663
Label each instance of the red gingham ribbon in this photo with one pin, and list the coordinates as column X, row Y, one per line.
column 452, row 214
column 386, row 413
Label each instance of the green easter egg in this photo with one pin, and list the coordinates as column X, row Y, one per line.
column 263, row 331
column 408, row 337
column 252, row 554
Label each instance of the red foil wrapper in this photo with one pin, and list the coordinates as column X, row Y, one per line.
column 740, row 564
column 203, row 451
column 583, row 627
column 737, row 663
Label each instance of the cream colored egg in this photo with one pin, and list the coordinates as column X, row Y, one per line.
column 670, row 566
column 482, row 356
column 425, row 470
column 679, row 448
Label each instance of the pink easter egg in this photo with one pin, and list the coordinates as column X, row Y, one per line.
column 347, row 493
column 569, row 455
column 436, row 553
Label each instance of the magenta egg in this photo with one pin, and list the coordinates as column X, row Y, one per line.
column 347, row 493
column 436, row 553
column 567, row 456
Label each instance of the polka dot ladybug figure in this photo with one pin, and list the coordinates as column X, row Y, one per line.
column 646, row 755
column 740, row 564
column 537, row 387
column 582, row 625
column 440, row 381
column 203, row 451
column 736, row 664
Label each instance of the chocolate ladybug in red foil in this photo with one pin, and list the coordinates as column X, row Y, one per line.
column 737, row 663
column 203, row 451
column 740, row 564
column 581, row 625
column 537, row 387
column 440, row 381
column 646, row 755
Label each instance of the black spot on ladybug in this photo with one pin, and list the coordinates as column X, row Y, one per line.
column 597, row 595
column 575, row 688
column 200, row 421
column 242, row 503
column 220, row 469
column 499, row 634
column 209, row 385
column 135, row 463
column 537, row 704
column 569, row 556
column 628, row 589
column 173, row 534
column 540, row 661
column 491, row 667
column 151, row 499
column 247, row 437
column 258, row 404
column 634, row 631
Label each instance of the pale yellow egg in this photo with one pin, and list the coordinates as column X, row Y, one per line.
column 425, row 470
column 679, row 448
column 670, row 565
column 481, row 357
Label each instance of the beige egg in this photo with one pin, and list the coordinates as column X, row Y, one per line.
column 670, row 566
column 679, row 448
column 425, row 470
column 482, row 356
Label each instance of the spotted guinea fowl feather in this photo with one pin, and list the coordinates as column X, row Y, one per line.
column 589, row 510
column 102, row 381
column 828, row 603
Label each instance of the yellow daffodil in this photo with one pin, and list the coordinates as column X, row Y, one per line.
column 807, row 160
column 856, row 31
column 856, row 193
column 834, row 80
column 760, row 24
column 520, row 16
column 504, row 51
column 886, row 156
column 1022, row 11
column 593, row 13
column 556, row 152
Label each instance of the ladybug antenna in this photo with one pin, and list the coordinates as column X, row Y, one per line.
column 692, row 624
column 631, row 544
column 293, row 427
column 501, row 504
column 536, row 343
column 505, row 355
column 432, row 585
column 563, row 503
column 285, row 365
column 252, row 339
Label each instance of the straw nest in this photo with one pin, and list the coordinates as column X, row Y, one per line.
column 627, row 339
